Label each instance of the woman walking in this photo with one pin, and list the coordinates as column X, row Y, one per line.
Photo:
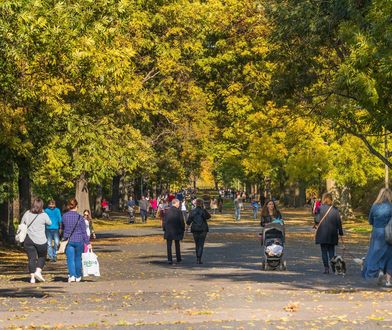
column 199, row 227
column 269, row 213
column 328, row 225
column 35, row 243
column 74, row 229
column 378, row 261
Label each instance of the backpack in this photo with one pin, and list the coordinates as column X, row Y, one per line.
column 198, row 222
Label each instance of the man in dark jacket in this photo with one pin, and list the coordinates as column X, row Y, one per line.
column 174, row 227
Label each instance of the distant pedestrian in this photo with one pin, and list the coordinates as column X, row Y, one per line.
column 105, row 208
column 255, row 208
column 237, row 207
column 174, row 227
column 213, row 205
column 89, row 224
column 52, row 230
column 144, row 204
column 35, row 243
column 131, row 209
column 329, row 226
column 220, row 204
column 75, row 231
column 378, row 262
column 184, row 209
column 153, row 205
column 199, row 227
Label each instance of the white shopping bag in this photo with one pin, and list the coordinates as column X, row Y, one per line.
column 90, row 264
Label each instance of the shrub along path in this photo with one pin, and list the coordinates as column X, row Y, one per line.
column 139, row 289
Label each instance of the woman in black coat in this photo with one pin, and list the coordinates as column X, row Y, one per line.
column 329, row 225
column 174, row 227
column 199, row 227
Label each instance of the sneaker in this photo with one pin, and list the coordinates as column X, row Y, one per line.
column 78, row 279
column 39, row 277
column 32, row 280
column 380, row 277
column 388, row 284
column 71, row 279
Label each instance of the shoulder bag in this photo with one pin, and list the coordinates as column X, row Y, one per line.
column 388, row 232
column 323, row 218
column 64, row 242
column 21, row 233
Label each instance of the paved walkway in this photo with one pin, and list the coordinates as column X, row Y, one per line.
column 139, row 289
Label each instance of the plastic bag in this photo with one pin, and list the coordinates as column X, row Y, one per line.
column 90, row 264
column 274, row 250
column 21, row 233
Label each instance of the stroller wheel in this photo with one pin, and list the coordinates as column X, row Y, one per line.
column 262, row 265
column 283, row 265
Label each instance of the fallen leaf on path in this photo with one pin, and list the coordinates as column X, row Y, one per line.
column 292, row 307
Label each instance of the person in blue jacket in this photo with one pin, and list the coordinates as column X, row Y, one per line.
column 52, row 231
column 378, row 262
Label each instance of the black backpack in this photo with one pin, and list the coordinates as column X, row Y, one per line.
column 198, row 222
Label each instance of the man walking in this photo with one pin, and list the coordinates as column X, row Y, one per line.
column 52, row 231
column 237, row 207
column 144, row 204
column 174, row 227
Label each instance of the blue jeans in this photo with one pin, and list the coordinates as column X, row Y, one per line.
column 74, row 252
column 52, row 235
column 255, row 213
column 237, row 213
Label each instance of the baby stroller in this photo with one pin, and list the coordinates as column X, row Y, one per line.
column 273, row 247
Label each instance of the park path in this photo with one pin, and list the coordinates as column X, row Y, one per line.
column 138, row 289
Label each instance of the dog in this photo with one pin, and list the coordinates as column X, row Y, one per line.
column 338, row 265
column 360, row 262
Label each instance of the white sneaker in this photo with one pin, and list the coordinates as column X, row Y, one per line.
column 71, row 279
column 32, row 280
column 388, row 284
column 78, row 279
column 380, row 277
column 39, row 277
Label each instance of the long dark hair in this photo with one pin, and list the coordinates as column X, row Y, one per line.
column 72, row 203
column 37, row 206
column 264, row 211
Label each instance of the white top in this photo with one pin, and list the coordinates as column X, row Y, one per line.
column 36, row 231
column 183, row 206
column 88, row 231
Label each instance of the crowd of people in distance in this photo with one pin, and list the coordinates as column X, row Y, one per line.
column 182, row 211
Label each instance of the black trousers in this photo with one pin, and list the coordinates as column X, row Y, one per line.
column 169, row 250
column 199, row 238
column 36, row 254
column 327, row 253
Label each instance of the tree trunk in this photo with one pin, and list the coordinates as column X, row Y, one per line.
column 116, row 192
column 98, row 200
column 82, row 195
column 24, row 186
column 4, row 221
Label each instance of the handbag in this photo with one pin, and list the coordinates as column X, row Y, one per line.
column 388, row 232
column 64, row 242
column 321, row 221
column 21, row 233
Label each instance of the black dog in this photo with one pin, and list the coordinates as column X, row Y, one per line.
column 338, row 265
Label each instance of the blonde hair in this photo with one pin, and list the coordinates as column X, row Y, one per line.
column 385, row 195
column 327, row 198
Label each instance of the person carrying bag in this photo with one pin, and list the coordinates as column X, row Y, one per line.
column 34, row 238
column 75, row 235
